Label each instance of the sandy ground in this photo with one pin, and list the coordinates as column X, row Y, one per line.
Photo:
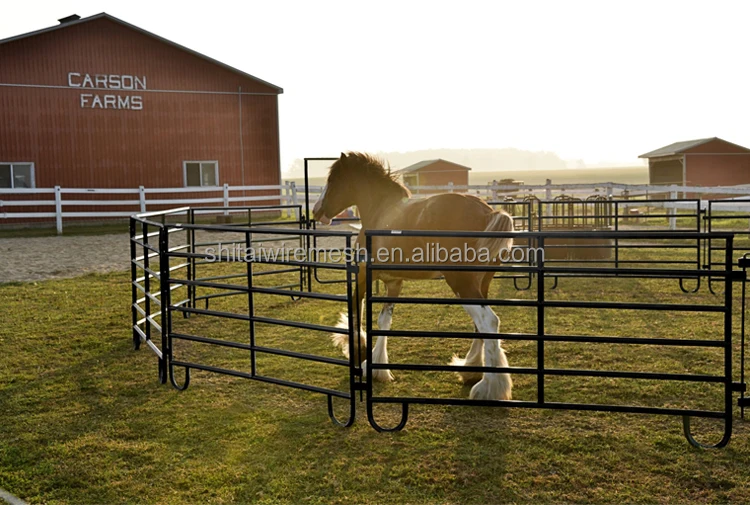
column 41, row 258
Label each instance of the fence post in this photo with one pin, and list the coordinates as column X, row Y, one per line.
column 672, row 212
column 293, row 189
column 285, row 197
column 58, row 209
column 609, row 192
column 494, row 191
column 142, row 197
column 548, row 197
column 226, row 198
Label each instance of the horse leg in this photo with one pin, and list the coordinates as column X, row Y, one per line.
column 473, row 358
column 380, row 351
column 475, row 355
column 493, row 386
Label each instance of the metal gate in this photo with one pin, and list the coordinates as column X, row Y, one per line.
column 169, row 249
column 173, row 293
column 541, row 304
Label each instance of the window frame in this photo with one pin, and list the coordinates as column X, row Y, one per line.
column 200, row 162
column 13, row 180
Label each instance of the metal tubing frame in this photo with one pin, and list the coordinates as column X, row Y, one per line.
column 727, row 274
column 351, row 269
column 237, row 228
column 708, row 220
column 615, row 219
column 356, row 382
column 140, row 240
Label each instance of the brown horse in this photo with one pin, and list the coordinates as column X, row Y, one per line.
column 362, row 180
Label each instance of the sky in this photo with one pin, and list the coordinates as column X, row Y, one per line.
column 601, row 81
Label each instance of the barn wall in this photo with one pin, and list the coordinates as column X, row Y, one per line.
column 441, row 173
column 718, row 170
column 443, row 179
column 190, row 111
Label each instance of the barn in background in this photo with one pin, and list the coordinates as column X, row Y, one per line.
column 100, row 103
column 435, row 173
column 703, row 162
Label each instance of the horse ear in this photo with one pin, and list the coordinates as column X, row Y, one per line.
column 343, row 156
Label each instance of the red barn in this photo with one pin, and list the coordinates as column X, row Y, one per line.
column 703, row 162
column 435, row 173
column 100, row 103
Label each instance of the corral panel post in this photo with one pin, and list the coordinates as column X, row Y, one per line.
column 58, row 210
column 548, row 197
column 728, row 403
column 166, row 300
column 133, row 289
column 672, row 212
column 226, row 198
column 540, row 327
column 142, row 197
column 250, row 303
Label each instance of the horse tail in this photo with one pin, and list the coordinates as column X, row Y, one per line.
column 341, row 340
column 497, row 221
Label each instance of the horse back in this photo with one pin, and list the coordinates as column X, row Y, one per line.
column 448, row 212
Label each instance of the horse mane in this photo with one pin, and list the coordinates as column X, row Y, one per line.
column 374, row 169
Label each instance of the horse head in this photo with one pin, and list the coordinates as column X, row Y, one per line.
column 338, row 193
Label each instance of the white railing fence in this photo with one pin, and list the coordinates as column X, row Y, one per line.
column 21, row 205
column 59, row 204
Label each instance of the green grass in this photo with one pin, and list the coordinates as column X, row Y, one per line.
column 84, row 420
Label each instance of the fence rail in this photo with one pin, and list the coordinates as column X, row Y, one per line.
column 22, row 205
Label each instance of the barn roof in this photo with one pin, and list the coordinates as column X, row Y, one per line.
column 681, row 147
column 418, row 166
column 72, row 21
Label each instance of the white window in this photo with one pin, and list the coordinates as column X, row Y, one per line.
column 201, row 173
column 17, row 175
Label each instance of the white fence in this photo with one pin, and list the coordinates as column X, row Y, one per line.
column 137, row 200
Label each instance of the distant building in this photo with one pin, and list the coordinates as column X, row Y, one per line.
column 703, row 162
column 435, row 173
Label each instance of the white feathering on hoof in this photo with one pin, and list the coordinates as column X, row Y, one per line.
column 468, row 378
column 341, row 340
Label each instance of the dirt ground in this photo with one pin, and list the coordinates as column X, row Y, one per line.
column 39, row 258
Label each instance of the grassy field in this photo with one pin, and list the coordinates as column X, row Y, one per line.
column 84, row 420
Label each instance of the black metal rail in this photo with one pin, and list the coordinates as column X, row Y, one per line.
column 252, row 317
column 726, row 274
column 159, row 290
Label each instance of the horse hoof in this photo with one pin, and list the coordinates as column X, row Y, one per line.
column 382, row 375
column 378, row 375
column 496, row 388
